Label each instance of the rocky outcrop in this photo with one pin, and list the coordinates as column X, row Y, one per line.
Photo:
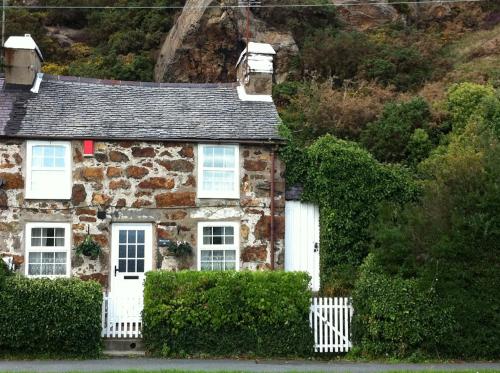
column 365, row 15
column 205, row 43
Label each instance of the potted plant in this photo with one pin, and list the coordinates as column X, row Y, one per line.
column 88, row 247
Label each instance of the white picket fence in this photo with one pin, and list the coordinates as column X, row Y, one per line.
column 121, row 316
column 330, row 320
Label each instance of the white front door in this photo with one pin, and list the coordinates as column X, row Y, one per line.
column 131, row 258
column 302, row 240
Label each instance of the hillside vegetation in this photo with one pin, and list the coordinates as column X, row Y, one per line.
column 393, row 130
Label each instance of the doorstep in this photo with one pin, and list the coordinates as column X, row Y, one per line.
column 123, row 347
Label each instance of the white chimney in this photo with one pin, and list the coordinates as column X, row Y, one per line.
column 255, row 72
column 23, row 60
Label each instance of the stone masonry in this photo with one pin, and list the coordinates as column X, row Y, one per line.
column 152, row 182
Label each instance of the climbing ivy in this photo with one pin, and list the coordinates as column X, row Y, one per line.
column 348, row 184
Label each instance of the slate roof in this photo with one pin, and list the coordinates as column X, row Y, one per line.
column 74, row 108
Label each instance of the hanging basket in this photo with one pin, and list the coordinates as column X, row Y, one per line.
column 88, row 247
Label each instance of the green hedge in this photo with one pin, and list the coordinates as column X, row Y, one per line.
column 396, row 316
column 227, row 313
column 45, row 316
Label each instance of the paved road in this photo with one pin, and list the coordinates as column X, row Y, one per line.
column 117, row 364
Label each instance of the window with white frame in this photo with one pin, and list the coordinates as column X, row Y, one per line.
column 48, row 249
column 48, row 170
column 218, row 171
column 218, row 246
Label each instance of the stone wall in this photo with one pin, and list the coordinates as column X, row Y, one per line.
column 143, row 182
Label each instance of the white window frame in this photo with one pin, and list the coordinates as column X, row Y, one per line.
column 235, row 246
column 48, row 192
column 235, row 194
column 66, row 248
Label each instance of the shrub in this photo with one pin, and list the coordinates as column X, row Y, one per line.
column 227, row 313
column 61, row 316
column 392, row 137
column 396, row 316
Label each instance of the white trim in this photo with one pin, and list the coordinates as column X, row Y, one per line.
column 235, row 246
column 48, row 192
column 243, row 96
column 235, row 194
column 66, row 248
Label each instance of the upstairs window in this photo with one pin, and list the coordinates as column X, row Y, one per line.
column 218, row 171
column 48, row 170
column 47, row 249
column 218, row 246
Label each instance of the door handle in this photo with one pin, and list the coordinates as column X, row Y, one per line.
column 316, row 247
column 116, row 270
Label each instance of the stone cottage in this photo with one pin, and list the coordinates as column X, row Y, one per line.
column 138, row 167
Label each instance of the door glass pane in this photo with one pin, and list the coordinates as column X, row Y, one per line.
column 140, row 251
column 131, row 236
column 122, row 264
column 140, row 265
column 131, row 265
column 131, row 251
column 140, row 236
column 122, row 251
column 122, row 236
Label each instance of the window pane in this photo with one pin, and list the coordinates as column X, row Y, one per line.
column 217, row 240
column 36, row 241
column 47, row 257
column 230, row 255
column 122, row 251
column 207, row 231
column 60, row 151
column 48, row 162
column 47, row 269
column 37, row 151
column 218, row 255
column 34, row 269
column 48, row 241
column 217, row 231
column 59, row 162
column 229, row 231
column 60, row 258
column 206, row 266
column 230, row 266
column 229, row 240
column 36, row 232
column 60, row 269
column 206, row 255
column 217, row 266
column 35, row 258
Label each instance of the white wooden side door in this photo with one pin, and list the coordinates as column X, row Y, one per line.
column 302, row 239
column 131, row 258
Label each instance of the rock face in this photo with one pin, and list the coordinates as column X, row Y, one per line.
column 205, row 43
column 365, row 16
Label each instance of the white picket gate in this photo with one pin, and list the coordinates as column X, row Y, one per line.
column 330, row 320
column 122, row 316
